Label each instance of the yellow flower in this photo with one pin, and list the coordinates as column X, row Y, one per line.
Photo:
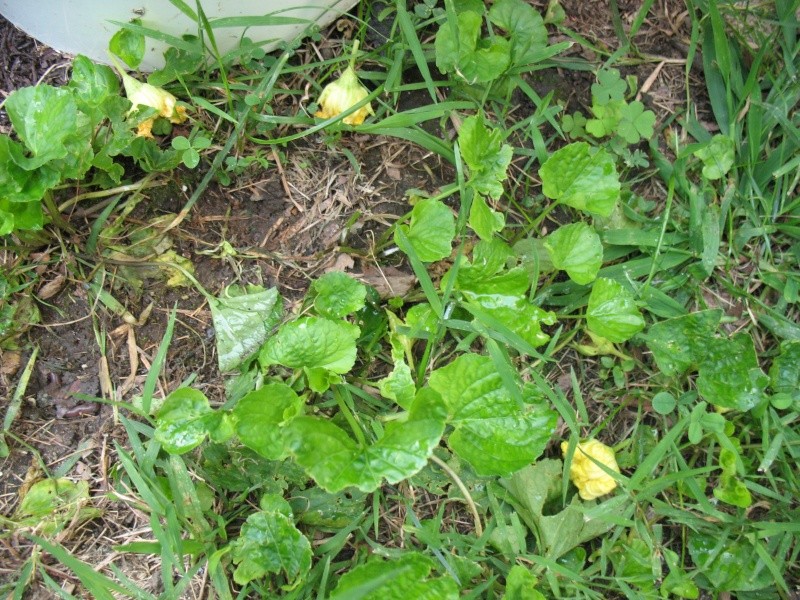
column 342, row 94
column 144, row 94
column 591, row 481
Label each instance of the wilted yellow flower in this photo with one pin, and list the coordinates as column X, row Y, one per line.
column 144, row 94
column 591, row 481
column 344, row 93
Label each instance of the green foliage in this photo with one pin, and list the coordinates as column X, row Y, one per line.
column 612, row 312
column 582, row 177
column 472, row 58
column 314, row 343
column 338, row 295
column 717, row 156
column 613, row 115
column 576, row 249
column 430, row 231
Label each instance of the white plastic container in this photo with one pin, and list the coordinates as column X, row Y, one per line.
column 84, row 26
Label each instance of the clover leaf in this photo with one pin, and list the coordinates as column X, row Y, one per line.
column 494, row 432
column 431, row 230
column 336, row 461
column 401, row 578
column 636, row 123
column 243, row 318
column 576, row 249
column 609, row 87
column 312, row 342
column 582, row 177
column 269, row 542
column 612, row 312
column 338, row 295
column 717, row 155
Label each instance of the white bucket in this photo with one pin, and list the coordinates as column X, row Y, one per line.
column 84, row 26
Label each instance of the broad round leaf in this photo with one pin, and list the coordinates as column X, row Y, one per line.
column 494, row 432
column 612, row 312
column 260, row 415
column 313, row 342
column 431, row 230
column 576, row 249
column 338, row 295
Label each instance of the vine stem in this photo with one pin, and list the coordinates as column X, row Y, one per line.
column 467, row 497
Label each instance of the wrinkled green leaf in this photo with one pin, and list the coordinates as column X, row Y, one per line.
column 51, row 504
column 576, row 249
column 473, row 60
column 582, row 177
column 335, row 460
column 243, row 319
column 728, row 565
column 681, row 343
column 317, row 508
column 784, row 373
column 431, row 230
column 185, row 419
column 729, row 376
column 717, row 155
column 44, row 117
column 402, row 578
column 525, row 26
column 260, row 416
column 494, row 432
column 399, row 385
column 91, row 83
column 338, row 295
column 269, row 542
column 556, row 534
column 612, row 312
column 486, row 156
column 312, row 342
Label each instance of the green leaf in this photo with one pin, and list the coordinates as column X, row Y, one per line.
column 530, row 489
column 243, row 319
column 485, row 154
column 261, row 415
column 484, row 220
column 606, row 118
column 729, row 376
column 51, row 504
column 313, row 342
column 464, row 56
column 431, row 230
column 402, row 578
column 521, row 585
column 335, row 461
column 525, row 26
column 317, row 508
column 399, row 385
column 129, row 46
column 185, row 419
column 338, row 295
column 681, row 343
column 609, row 87
column 582, row 177
column 612, row 312
column 636, row 123
column 44, row 117
column 717, row 155
column 576, row 249
column 494, row 432
column 784, row 373
column 92, row 84
column 269, row 542
column 728, row 565
column 733, row 491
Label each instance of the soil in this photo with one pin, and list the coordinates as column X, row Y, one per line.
column 311, row 211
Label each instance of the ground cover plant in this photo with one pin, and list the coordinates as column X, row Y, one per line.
column 574, row 371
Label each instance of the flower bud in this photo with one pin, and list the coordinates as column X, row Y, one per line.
column 342, row 94
column 591, row 481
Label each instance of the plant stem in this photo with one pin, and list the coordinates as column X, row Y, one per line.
column 467, row 497
column 348, row 415
column 353, row 54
